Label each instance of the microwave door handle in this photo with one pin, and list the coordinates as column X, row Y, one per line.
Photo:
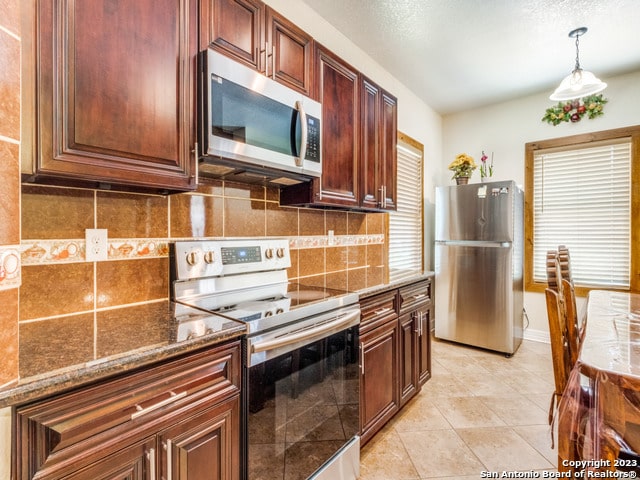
column 303, row 134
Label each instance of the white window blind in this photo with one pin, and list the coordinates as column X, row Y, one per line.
column 582, row 199
column 405, row 224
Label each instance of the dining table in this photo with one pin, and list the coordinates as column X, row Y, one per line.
column 598, row 415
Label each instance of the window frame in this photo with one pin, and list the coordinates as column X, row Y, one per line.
column 584, row 140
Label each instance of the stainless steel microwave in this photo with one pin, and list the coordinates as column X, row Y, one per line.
column 254, row 126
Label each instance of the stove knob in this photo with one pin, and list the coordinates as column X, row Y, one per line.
column 280, row 252
column 209, row 257
column 279, row 311
column 269, row 253
column 268, row 313
column 193, row 258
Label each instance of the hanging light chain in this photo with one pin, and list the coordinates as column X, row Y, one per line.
column 577, row 52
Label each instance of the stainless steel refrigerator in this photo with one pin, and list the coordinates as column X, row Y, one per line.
column 478, row 265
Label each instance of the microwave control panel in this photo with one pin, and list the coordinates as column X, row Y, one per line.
column 313, row 139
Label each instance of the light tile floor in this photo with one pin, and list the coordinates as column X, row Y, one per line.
column 481, row 412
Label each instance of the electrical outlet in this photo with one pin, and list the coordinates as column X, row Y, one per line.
column 95, row 244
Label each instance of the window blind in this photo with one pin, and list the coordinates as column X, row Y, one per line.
column 582, row 199
column 405, row 224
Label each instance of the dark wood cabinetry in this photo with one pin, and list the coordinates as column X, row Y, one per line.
column 416, row 306
column 395, row 345
column 257, row 36
column 359, row 138
column 110, row 93
column 180, row 420
column 379, row 396
column 378, row 157
column 339, row 185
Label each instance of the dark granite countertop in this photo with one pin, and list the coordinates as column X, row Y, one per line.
column 407, row 280
column 126, row 339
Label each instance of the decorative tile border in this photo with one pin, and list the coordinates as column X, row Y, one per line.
column 46, row 252
column 320, row 241
column 10, row 267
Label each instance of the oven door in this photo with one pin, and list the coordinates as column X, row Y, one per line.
column 303, row 399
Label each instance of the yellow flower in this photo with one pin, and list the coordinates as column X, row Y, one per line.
column 462, row 166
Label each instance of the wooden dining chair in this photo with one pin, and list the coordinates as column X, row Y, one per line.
column 559, row 346
column 559, row 279
column 576, row 329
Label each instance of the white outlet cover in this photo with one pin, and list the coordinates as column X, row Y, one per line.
column 96, row 244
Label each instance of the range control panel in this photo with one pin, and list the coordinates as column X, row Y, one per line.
column 212, row 258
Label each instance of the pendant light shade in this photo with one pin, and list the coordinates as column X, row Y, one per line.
column 578, row 83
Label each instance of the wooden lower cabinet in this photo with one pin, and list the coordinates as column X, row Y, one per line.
column 178, row 420
column 409, row 337
column 379, row 392
column 395, row 342
column 202, row 446
column 134, row 462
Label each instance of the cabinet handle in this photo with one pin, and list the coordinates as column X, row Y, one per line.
column 197, row 154
column 151, row 456
column 420, row 322
column 172, row 398
column 382, row 310
column 362, row 359
column 266, row 59
column 273, row 61
column 419, row 296
column 167, row 447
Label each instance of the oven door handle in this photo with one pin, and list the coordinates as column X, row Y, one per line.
column 309, row 334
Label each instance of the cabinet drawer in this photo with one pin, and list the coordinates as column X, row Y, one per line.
column 63, row 431
column 414, row 296
column 377, row 310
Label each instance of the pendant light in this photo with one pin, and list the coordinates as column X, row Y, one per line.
column 578, row 83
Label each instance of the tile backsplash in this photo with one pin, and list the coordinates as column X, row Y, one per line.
column 61, row 290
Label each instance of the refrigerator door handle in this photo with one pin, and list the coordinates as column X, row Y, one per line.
column 473, row 243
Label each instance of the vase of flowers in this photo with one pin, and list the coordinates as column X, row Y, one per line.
column 462, row 168
column 486, row 169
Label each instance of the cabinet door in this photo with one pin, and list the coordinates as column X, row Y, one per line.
column 339, row 95
column 370, row 146
column 133, row 462
column 289, row 52
column 409, row 337
column 389, row 154
column 205, row 446
column 379, row 378
column 234, row 27
column 113, row 86
column 378, row 157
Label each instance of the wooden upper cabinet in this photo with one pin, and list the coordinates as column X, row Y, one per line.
column 113, row 93
column 289, row 53
column 254, row 34
column 389, row 153
column 338, row 91
column 235, row 28
column 378, row 158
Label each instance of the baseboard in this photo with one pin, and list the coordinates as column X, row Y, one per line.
column 536, row 335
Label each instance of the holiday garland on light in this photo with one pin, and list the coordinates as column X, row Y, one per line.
column 574, row 110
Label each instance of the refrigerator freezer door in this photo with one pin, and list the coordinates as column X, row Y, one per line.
column 475, row 298
column 478, row 211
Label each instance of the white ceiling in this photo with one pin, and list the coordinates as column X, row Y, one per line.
column 462, row 54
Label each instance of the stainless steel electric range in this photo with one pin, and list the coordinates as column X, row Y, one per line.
column 301, row 382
